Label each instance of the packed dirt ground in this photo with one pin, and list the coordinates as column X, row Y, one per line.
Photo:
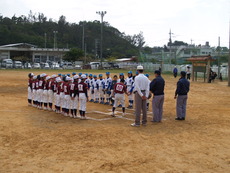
column 33, row 140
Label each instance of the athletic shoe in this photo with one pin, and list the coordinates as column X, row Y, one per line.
column 71, row 116
column 180, row 118
column 123, row 114
column 111, row 104
column 91, row 100
column 113, row 115
column 135, row 125
column 119, row 105
column 96, row 102
column 101, row 102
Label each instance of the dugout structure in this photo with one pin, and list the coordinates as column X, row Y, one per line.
column 201, row 64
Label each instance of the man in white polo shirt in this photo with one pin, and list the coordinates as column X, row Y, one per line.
column 141, row 83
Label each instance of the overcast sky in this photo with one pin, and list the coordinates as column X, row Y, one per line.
column 199, row 20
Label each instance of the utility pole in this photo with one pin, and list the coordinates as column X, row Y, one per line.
column 55, row 39
column 218, row 56
column 83, row 37
column 45, row 39
column 102, row 14
column 170, row 44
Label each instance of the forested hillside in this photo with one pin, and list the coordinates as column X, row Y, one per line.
column 36, row 28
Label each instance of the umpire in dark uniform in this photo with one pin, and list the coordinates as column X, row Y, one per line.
column 181, row 95
column 157, row 88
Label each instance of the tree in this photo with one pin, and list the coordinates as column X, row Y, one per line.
column 73, row 55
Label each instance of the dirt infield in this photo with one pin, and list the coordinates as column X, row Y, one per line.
column 32, row 140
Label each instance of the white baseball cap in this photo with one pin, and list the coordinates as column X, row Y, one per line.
column 43, row 75
column 34, row 77
column 48, row 77
column 53, row 76
column 68, row 78
column 83, row 76
column 140, row 67
column 58, row 79
column 76, row 76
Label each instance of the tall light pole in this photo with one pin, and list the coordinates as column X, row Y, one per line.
column 55, row 39
column 83, row 36
column 101, row 13
column 170, row 44
column 218, row 56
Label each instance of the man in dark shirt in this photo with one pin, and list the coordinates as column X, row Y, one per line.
column 175, row 72
column 157, row 88
column 181, row 96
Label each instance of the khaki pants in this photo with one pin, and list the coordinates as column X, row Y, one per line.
column 140, row 106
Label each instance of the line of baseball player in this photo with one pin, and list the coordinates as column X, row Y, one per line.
column 69, row 93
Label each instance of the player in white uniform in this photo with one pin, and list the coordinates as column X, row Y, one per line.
column 79, row 78
column 91, row 92
column 96, row 89
column 101, row 84
column 108, row 83
column 147, row 101
column 129, row 83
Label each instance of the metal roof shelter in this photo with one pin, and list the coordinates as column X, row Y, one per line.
column 201, row 64
column 32, row 52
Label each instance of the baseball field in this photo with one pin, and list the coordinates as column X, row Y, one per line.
column 33, row 140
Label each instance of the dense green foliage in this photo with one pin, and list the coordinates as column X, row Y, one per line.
column 33, row 28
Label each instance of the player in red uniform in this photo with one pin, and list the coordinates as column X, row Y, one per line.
column 67, row 95
column 58, row 91
column 45, row 92
column 119, row 93
column 30, row 89
column 41, row 85
column 83, row 96
column 51, row 91
column 74, row 98
column 34, row 94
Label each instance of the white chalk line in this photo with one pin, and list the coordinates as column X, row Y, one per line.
column 98, row 112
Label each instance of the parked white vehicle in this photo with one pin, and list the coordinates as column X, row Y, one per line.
column 77, row 67
column 46, row 66
column 36, row 66
column 27, row 65
column 55, row 65
column 7, row 63
column 94, row 65
column 17, row 64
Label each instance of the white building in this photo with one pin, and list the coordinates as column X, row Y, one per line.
column 32, row 52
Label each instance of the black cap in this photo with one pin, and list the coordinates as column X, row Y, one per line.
column 157, row 72
column 183, row 73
